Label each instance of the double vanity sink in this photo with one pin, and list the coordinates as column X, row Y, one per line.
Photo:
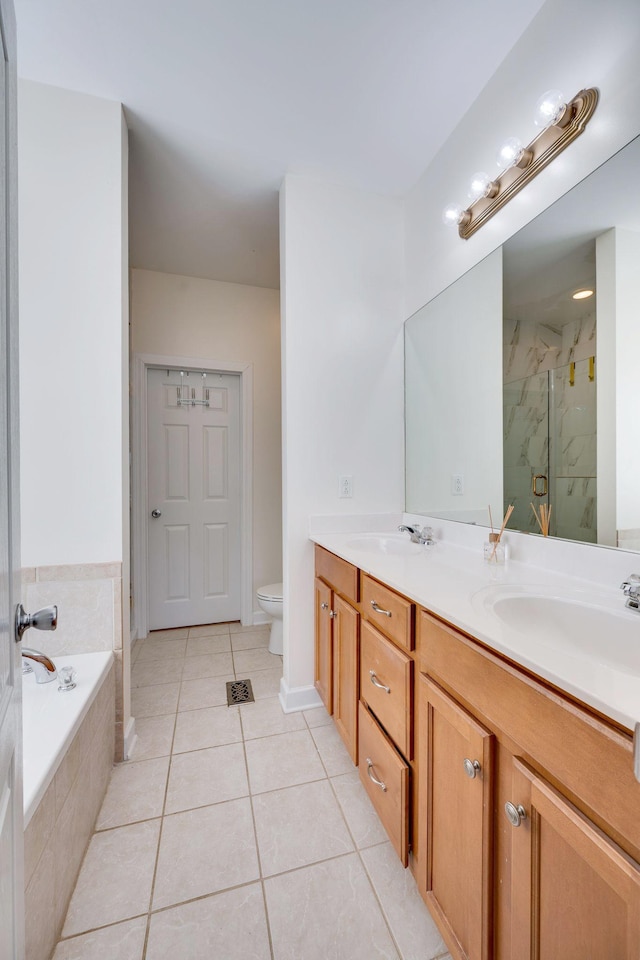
column 580, row 637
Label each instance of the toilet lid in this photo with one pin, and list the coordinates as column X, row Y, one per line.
column 272, row 591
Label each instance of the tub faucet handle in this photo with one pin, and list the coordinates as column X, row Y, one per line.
column 67, row 678
column 45, row 619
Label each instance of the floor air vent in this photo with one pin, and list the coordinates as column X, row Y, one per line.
column 239, row 691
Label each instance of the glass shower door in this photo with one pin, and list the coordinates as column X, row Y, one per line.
column 526, row 447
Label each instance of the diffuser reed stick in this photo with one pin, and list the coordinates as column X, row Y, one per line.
column 543, row 519
column 505, row 521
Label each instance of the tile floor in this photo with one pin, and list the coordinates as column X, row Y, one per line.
column 237, row 832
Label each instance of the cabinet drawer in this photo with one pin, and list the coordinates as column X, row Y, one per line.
column 379, row 760
column 340, row 574
column 390, row 612
column 386, row 675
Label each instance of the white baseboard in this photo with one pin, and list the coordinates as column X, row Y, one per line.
column 293, row 699
column 260, row 617
column 130, row 737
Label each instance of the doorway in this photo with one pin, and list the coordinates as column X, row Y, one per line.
column 191, row 458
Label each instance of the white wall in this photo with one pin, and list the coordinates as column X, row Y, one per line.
column 342, row 313
column 569, row 45
column 73, row 326
column 185, row 316
column 454, row 397
column 627, row 261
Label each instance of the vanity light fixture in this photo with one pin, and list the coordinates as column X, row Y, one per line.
column 581, row 294
column 561, row 123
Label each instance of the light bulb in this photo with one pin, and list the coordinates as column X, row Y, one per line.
column 510, row 153
column 453, row 214
column 549, row 108
column 480, row 186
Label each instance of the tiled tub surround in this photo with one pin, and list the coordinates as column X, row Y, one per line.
column 451, row 578
column 237, row 832
column 59, row 828
column 89, row 601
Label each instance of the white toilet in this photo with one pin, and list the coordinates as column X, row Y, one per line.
column 270, row 600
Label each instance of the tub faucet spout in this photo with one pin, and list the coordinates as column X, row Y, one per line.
column 43, row 667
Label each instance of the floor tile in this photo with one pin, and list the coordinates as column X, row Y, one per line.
column 154, row 701
column 209, row 727
column 210, row 630
column 415, row 932
column 248, row 661
column 209, row 665
column 204, row 692
column 176, row 633
column 201, row 646
column 265, row 683
column 207, row 776
column 147, row 673
column 135, row 792
column 364, row 823
column 332, row 750
column 122, row 940
column 286, row 839
column 205, row 850
column 265, row 718
column 115, row 879
column 229, row 926
column 342, row 919
column 249, row 641
column 282, row 761
column 317, row 717
column 162, row 649
column 153, row 737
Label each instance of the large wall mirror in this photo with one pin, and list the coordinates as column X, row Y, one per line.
column 523, row 377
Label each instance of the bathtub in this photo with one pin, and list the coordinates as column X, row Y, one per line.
column 51, row 720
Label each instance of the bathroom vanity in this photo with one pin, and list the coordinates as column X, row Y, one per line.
column 512, row 798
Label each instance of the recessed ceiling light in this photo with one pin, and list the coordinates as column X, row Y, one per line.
column 582, row 294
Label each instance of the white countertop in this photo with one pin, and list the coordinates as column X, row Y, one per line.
column 455, row 583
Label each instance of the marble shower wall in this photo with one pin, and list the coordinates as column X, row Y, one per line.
column 549, row 425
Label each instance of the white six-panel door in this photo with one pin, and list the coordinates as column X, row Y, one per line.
column 193, row 498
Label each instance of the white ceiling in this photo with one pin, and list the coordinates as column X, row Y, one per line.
column 223, row 97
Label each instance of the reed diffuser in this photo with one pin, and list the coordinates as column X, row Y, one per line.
column 543, row 517
column 494, row 550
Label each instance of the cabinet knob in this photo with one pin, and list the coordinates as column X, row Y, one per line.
column 471, row 768
column 333, row 614
column 373, row 778
column 324, row 605
column 515, row 815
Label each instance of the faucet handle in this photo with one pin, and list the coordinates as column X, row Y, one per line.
column 45, row 619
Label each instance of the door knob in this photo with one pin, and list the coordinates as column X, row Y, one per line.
column 45, row 619
column 156, row 513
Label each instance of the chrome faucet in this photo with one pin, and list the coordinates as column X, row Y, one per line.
column 43, row 667
column 631, row 589
column 418, row 535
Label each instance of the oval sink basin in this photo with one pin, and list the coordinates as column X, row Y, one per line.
column 571, row 625
column 389, row 543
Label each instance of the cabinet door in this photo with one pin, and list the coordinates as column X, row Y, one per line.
column 345, row 674
column 324, row 644
column 458, row 804
column 574, row 893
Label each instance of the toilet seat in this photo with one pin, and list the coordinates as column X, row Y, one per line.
column 272, row 592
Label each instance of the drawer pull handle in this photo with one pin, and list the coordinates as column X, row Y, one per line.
column 515, row 815
column 471, row 768
column 324, row 605
column 385, row 613
column 376, row 682
column 373, row 779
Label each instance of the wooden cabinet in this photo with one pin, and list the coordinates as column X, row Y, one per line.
column 337, row 626
column 385, row 776
column 386, row 675
column 538, row 864
column 458, row 794
column 391, row 612
column 574, row 893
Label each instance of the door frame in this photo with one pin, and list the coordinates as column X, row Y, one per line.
column 142, row 362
